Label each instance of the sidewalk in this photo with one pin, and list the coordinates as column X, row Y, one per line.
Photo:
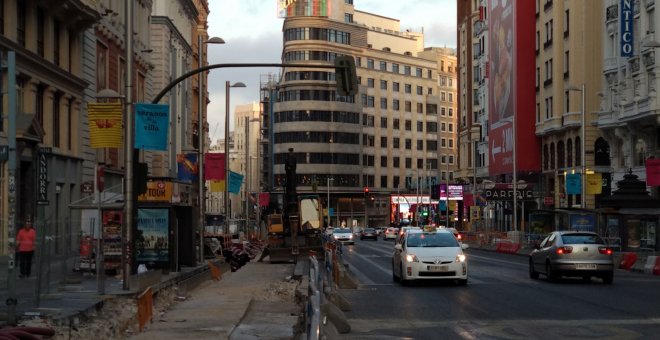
column 257, row 300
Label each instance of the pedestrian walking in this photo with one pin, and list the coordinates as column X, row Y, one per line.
column 25, row 240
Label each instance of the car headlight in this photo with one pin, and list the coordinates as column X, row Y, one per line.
column 412, row 258
column 350, row 236
column 335, row 236
column 460, row 258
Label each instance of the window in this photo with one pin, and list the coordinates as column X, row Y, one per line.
column 451, row 143
column 420, row 163
column 406, row 70
column 408, row 163
column 432, row 109
column 451, row 97
column 443, row 96
column 548, row 72
column 395, row 105
column 348, row 18
column 566, row 64
column 56, row 42
column 408, row 106
column 395, row 124
column 40, row 31
column 443, row 112
column 567, row 101
column 383, row 103
column 383, row 181
column 420, row 90
column 383, row 122
column 383, row 142
column 395, row 143
column 395, row 87
column 538, row 77
column 383, row 84
column 548, row 34
column 429, row 74
column 370, row 101
column 408, row 144
column 370, row 63
column 566, row 22
column 451, row 82
column 443, row 81
column 538, row 41
column 56, row 119
column 431, row 145
column 451, row 127
column 650, row 20
column 443, row 127
column 383, row 161
column 420, row 108
column 370, row 83
column 395, row 68
column 408, row 125
column 408, row 88
column 21, row 21
column 418, row 72
column 548, row 108
column 451, row 112
column 430, row 91
column 420, row 126
column 358, row 61
column 443, row 143
column 396, row 162
column 383, row 65
column 420, row 145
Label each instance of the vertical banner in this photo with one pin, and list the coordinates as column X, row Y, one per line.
column 235, row 182
column 594, row 184
column 573, row 186
column 217, row 186
column 151, row 240
column 187, row 167
column 214, row 166
column 475, row 212
column 42, row 176
column 653, row 172
column 264, row 199
column 105, row 125
column 626, row 20
column 152, row 122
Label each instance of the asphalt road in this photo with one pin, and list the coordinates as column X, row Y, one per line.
column 499, row 302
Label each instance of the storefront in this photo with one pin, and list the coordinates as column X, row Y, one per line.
column 630, row 216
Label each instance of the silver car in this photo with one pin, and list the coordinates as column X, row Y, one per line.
column 572, row 253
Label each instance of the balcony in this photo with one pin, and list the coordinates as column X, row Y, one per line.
column 571, row 119
column 611, row 64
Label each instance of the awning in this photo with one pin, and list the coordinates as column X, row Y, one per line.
column 639, row 211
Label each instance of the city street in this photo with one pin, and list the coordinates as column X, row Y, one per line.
column 499, row 302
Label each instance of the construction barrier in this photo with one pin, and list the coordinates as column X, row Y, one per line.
column 650, row 264
column 628, row 260
column 216, row 273
column 507, row 246
column 145, row 304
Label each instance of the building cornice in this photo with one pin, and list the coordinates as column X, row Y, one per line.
column 162, row 20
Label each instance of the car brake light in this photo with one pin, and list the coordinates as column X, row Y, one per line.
column 565, row 250
column 459, row 237
column 605, row 250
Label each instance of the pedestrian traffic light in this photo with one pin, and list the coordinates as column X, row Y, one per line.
column 345, row 75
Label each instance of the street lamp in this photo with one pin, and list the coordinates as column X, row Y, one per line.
column 582, row 144
column 226, row 202
column 201, row 97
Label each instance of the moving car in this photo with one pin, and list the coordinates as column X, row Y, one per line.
column 403, row 230
column 424, row 255
column 369, row 233
column 343, row 235
column 458, row 235
column 390, row 233
column 572, row 253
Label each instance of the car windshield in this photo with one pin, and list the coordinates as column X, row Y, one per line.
column 342, row 231
column 431, row 240
column 581, row 239
column 368, row 230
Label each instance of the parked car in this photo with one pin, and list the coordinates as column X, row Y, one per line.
column 343, row 235
column 368, row 233
column 390, row 233
column 403, row 230
column 329, row 230
column 572, row 253
column 423, row 255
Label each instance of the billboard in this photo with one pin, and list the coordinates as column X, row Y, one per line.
column 511, row 87
column 309, row 8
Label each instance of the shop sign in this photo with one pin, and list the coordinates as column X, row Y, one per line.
column 507, row 194
column 157, row 191
column 42, row 176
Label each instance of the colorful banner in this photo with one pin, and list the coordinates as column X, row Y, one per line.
column 214, row 166
column 152, row 123
column 151, row 240
column 264, row 199
column 217, row 186
column 573, row 185
column 105, row 125
column 475, row 213
column 626, row 20
column 235, row 182
column 653, row 172
column 187, row 167
column 594, row 184
column 582, row 222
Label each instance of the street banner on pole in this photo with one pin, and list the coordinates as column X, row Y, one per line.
column 653, row 172
column 214, row 166
column 217, row 186
column 151, row 126
column 187, row 167
column 235, row 182
column 264, row 199
column 594, row 184
column 105, row 125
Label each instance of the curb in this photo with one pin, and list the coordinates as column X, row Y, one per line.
column 243, row 315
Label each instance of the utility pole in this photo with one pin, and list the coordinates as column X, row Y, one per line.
column 129, row 209
column 11, row 227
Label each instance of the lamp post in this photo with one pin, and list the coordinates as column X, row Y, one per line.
column 226, row 201
column 583, row 202
column 201, row 98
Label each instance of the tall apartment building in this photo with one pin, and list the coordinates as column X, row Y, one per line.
column 50, row 47
column 389, row 137
column 568, row 46
column 244, row 158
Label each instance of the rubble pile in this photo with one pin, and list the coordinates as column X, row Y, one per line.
column 278, row 291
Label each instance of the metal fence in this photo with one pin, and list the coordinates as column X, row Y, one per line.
column 313, row 324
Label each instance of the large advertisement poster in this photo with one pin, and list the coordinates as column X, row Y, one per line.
column 511, row 88
column 152, row 236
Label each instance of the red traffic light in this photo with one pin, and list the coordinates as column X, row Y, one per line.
column 366, row 190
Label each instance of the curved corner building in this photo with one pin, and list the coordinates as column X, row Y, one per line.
column 384, row 138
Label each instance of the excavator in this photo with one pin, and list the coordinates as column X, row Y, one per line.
column 297, row 229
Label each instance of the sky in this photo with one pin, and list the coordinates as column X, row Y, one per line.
column 253, row 34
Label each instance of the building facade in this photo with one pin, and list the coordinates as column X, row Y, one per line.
column 386, row 139
column 244, row 157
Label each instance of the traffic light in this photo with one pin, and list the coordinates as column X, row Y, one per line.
column 140, row 178
column 366, row 191
column 346, row 76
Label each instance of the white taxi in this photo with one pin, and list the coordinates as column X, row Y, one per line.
column 429, row 254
